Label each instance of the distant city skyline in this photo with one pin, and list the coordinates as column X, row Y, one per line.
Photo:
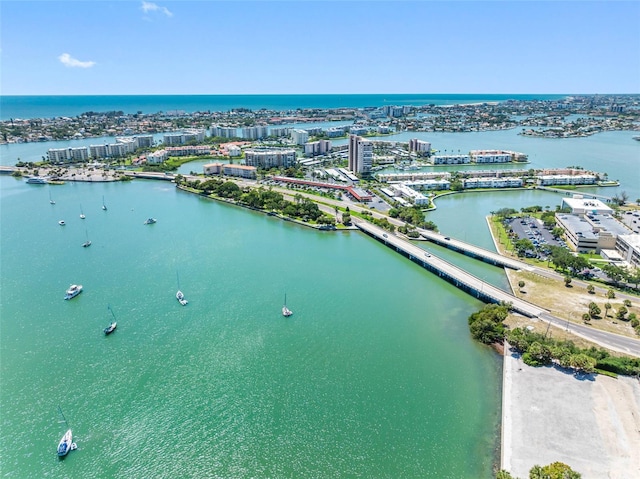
column 327, row 47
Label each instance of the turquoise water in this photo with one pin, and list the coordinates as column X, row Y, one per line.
column 374, row 376
column 53, row 106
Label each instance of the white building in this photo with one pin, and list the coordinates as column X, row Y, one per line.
column 414, row 196
column 58, row 155
column 315, row 148
column 628, row 246
column 255, row 132
column 157, row 157
column 580, row 205
column 299, row 137
column 268, row 158
column 450, row 159
column 492, row 182
column 212, row 168
column 224, row 132
column 79, row 154
column 234, row 150
column 419, row 146
column 280, row 132
column 490, row 156
column 429, row 184
column 241, row 171
column 550, row 180
column 98, row 151
column 360, row 155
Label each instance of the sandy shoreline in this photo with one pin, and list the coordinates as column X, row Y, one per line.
column 590, row 422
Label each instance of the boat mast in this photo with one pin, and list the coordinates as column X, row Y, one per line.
column 65, row 419
column 112, row 314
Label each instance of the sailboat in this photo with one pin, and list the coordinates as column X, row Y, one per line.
column 104, row 206
column 112, row 326
column 87, row 243
column 286, row 312
column 51, row 199
column 82, row 213
column 179, row 296
column 66, row 444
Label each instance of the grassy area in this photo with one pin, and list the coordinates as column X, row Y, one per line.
column 570, row 303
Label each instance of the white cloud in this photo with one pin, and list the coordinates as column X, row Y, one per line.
column 152, row 7
column 68, row 61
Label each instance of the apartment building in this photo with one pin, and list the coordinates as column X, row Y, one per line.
column 360, row 155
column 299, row 137
column 268, row 158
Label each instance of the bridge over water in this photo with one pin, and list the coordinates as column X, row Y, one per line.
column 460, row 278
column 488, row 293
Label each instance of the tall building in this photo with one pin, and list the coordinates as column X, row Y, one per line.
column 299, row 137
column 360, row 155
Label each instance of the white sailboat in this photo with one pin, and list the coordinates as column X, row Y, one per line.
column 104, row 206
column 286, row 312
column 82, row 216
column 51, row 199
column 87, row 243
column 66, row 444
column 112, row 326
column 179, row 295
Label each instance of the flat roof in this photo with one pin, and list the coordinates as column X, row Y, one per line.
column 608, row 223
column 579, row 226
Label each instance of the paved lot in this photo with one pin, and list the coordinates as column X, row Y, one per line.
column 591, row 423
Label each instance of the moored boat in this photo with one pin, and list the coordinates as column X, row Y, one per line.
column 61, row 223
column 37, row 180
column 64, row 446
column 73, row 291
column 181, row 299
column 111, row 328
column 150, row 221
column 286, row 312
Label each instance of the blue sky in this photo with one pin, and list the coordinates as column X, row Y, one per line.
column 243, row 47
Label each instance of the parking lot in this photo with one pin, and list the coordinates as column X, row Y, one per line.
column 533, row 229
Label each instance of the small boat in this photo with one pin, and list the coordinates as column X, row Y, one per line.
column 112, row 325
column 181, row 299
column 179, row 295
column 61, row 223
column 65, row 444
column 110, row 329
column 150, row 221
column 286, row 312
column 82, row 216
column 87, row 243
column 73, row 291
column 51, row 199
column 37, row 180
column 104, row 206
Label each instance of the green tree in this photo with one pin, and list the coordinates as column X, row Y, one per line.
column 607, row 307
column 611, row 294
column 583, row 363
column 521, row 284
column 567, row 281
column 591, row 289
column 621, row 313
column 586, row 318
column 556, row 470
column 346, row 218
column 502, row 474
column 594, row 310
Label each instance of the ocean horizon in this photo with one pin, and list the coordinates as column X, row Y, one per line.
column 52, row 106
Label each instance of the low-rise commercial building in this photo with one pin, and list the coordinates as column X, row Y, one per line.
column 412, row 195
column 241, row 171
column 628, row 247
column 580, row 205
